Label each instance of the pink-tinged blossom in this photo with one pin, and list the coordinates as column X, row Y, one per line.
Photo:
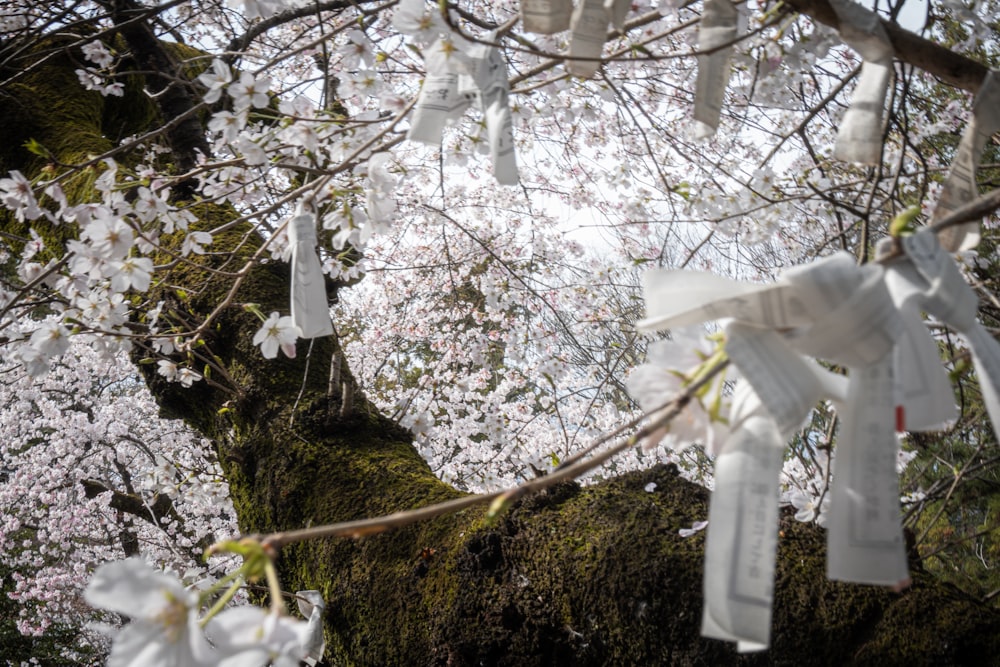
column 252, row 153
column 357, row 51
column 808, row 508
column 419, row 20
column 97, row 53
column 668, row 368
column 18, row 196
column 163, row 631
column 277, row 332
column 193, row 243
column 93, row 80
column 228, row 124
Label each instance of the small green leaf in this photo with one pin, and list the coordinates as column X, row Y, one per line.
column 902, row 224
column 34, row 147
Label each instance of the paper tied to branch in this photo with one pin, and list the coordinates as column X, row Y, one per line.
column 960, row 187
column 742, row 536
column 546, row 17
column 859, row 138
column 310, row 307
column 588, row 31
column 927, row 278
column 830, row 309
column 718, row 28
column 312, row 606
column 460, row 74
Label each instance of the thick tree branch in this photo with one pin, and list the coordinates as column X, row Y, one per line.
column 948, row 66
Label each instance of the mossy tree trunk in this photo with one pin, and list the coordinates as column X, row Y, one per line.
column 573, row 576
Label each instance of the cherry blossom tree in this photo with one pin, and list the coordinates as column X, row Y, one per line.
column 475, row 208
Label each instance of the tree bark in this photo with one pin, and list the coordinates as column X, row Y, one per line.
column 571, row 576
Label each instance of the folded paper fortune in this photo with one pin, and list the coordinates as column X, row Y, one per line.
column 866, row 319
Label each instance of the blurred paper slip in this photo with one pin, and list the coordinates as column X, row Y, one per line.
column 676, row 298
column 784, row 382
column 459, row 74
column 588, row 31
column 546, row 16
column 923, row 389
column 859, row 138
column 742, row 535
column 311, row 606
column 487, row 69
column 717, row 28
column 960, row 187
column 310, row 307
column 859, row 329
column 947, row 296
column 617, row 11
column 865, row 532
column 439, row 103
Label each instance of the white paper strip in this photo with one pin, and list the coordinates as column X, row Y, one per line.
column 310, row 307
column 682, row 298
column 488, row 71
column 311, row 606
column 588, row 30
column 859, row 138
column 617, row 11
column 864, row 532
column 717, row 27
column 923, row 390
column 439, row 102
column 460, row 74
column 960, row 187
column 546, row 16
column 742, row 536
column 784, row 382
column 950, row 299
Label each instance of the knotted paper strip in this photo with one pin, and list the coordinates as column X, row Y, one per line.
column 859, row 138
column 742, row 533
column 546, row 17
column 311, row 606
column 931, row 274
column 459, row 74
column 487, row 70
column 960, row 187
column 831, row 309
column 310, row 308
column 717, row 27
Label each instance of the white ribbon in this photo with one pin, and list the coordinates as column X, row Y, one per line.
column 859, row 138
column 960, row 187
column 546, row 17
column 310, row 308
column 311, row 606
column 458, row 75
column 588, row 30
column 718, row 26
column 926, row 277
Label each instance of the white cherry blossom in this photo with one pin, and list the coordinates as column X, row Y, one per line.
column 163, row 631
column 277, row 332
